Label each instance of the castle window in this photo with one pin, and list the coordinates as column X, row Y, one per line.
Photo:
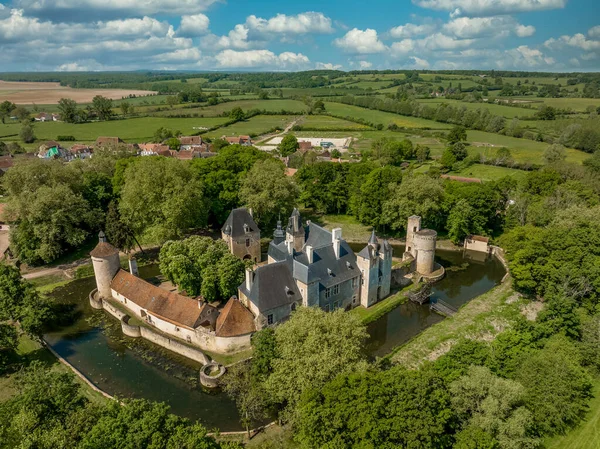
column 246, row 228
column 293, row 306
column 336, row 289
column 415, row 229
column 327, row 293
column 354, row 299
column 247, row 243
column 270, row 319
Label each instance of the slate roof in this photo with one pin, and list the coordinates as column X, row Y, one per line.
column 234, row 225
column 169, row 306
column 273, row 286
column 234, row 319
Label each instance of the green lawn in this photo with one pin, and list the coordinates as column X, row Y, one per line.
column 353, row 231
column 489, row 172
column 382, row 307
column 254, row 126
column 587, row 435
column 131, row 130
column 523, row 150
column 385, row 118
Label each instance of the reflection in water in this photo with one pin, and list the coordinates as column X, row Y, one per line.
column 467, row 276
column 118, row 370
column 121, row 372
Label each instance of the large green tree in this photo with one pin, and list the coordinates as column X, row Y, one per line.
column 289, row 145
column 268, row 191
column 6, row 108
column 103, row 107
column 68, row 110
column 373, row 193
column 161, row 199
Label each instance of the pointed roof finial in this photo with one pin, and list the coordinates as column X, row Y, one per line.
column 102, row 237
column 373, row 240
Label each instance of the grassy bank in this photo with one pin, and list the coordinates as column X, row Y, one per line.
column 482, row 319
column 383, row 307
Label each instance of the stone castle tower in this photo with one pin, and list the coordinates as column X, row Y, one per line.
column 420, row 245
column 106, row 262
column 295, row 232
column 375, row 264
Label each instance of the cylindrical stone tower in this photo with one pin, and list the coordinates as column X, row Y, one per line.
column 414, row 226
column 425, row 241
column 105, row 259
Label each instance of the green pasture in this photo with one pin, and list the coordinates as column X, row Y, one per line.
column 508, row 112
column 131, row 130
column 489, row 172
column 575, row 104
column 255, row 126
column 326, row 123
column 523, row 150
column 385, row 118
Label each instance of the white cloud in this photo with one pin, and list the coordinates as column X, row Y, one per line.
column 304, row 23
column 524, row 56
column 578, row 41
column 168, row 7
column 360, row 42
column 365, row 64
column 88, row 65
column 419, row 63
column 327, row 66
column 589, row 56
column 411, row 30
column 189, row 55
column 594, row 32
column 260, row 59
column 237, row 38
column 489, row 7
column 194, row 25
column 500, row 26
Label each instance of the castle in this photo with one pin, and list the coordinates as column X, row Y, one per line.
column 420, row 251
column 310, row 266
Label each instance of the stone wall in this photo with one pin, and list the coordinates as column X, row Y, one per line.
column 173, row 345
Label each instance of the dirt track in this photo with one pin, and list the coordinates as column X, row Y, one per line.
column 50, row 93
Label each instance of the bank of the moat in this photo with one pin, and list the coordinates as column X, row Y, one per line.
column 126, row 367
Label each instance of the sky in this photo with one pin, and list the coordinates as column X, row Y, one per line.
column 250, row 35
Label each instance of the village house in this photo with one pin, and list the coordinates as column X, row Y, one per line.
column 304, row 146
column 52, row 150
column 242, row 235
column 310, row 266
column 155, row 149
column 79, row 151
column 189, row 143
column 108, row 142
column 239, row 140
column 46, row 117
column 477, row 243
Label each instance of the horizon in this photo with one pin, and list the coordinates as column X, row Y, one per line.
column 209, row 36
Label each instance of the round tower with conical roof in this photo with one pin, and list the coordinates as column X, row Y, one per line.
column 105, row 259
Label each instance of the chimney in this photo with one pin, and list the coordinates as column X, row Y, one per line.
column 310, row 252
column 251, row 212
column 133, row 266
column 249, row 279
column 336, row 238
column 290, row 247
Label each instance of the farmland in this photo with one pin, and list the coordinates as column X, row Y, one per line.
column 50, row 93
column 255, row 126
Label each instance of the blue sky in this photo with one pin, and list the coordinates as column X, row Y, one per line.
column 71, row 35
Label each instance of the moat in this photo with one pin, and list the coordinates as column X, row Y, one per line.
column 125, row 367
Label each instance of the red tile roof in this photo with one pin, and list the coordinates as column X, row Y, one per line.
column 235, row 319
column 108, row 141
column 168, row 306
column 191, row 140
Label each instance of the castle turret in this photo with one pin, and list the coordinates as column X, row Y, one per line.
column 414, row 226
column 105, row 259
column 425, row 241
column 279, row 234
column 295, row 232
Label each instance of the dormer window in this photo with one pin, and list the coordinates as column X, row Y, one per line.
column 329, row 272
column 348, row 265
column 246, row 228
column 289, row 291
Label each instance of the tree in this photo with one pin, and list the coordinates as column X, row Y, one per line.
column 492, row 405
column 503, row 156
column 6, row 107
column 373, row 193
column 161, row 199
column 448, row 159
column 162, row 134
column 557, row 388
column 546, row 112
column 289, row 145
column 20, row 301
column 457, row 134
column 117, row 232
column 463, row 221
column 68, row 110
column 415, row 195
column 26, row 133
column 336, row 154
column 422, row 152
column 172, row 100
column 126, row 108
column 268, row 191
column 237, row 114
column 21, row 113
column 265, row 350
column 173, row 143
column 319, row 106
column 9, row 340
column 377, row 409
column 102, row 106
column 459, row 150
column 314, row 346
column 555, row 153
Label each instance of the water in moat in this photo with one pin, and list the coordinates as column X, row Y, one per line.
column 468, row 275
column 125, row 367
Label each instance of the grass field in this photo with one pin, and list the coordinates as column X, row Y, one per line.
column 324, row 122
column 489, row 172
column 385, row 118
column 260, row 124
column 576, row 104
column 508, row 112
column 131, row 130
column 523, row 150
